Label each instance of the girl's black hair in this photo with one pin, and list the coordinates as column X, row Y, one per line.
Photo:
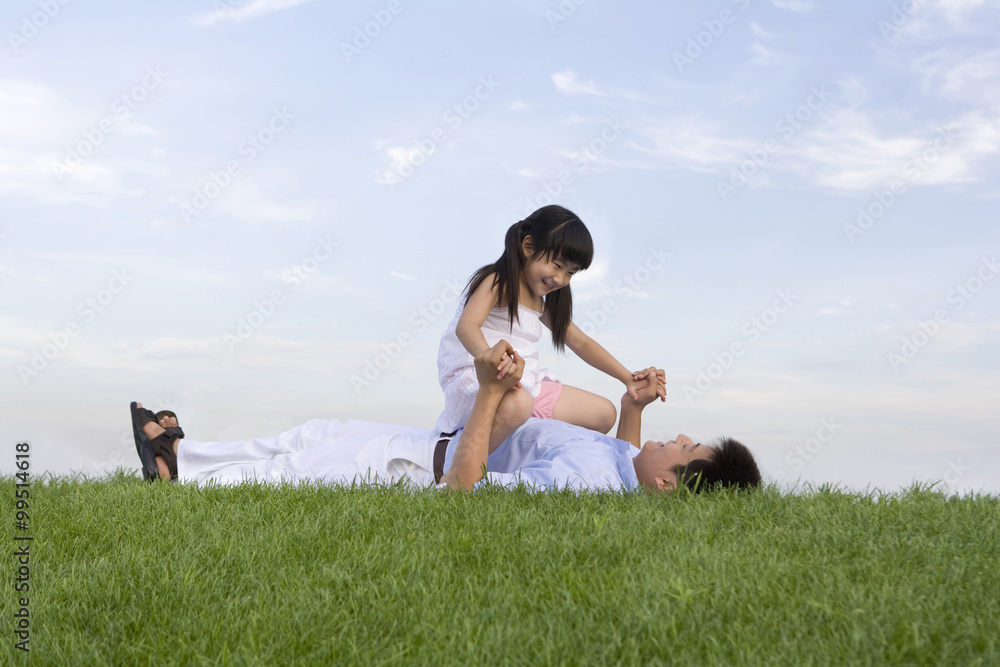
column 555, row 233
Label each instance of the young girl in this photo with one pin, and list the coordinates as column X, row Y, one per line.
column 511, row 299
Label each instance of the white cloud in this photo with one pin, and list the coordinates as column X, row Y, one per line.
column 955, row 10
column 45, row 155
column 261, row 350
column 847, row 144
column 20, row 274
column 518, row 106
column 933, row 19
column 974, row 80
column 238, row 11
column 401, row 157
column 401, row 276
column 691, row 143
column 567, row 83
column 168, row 269
column 244, row 201
column 762, row 34
column 593, row 276
column 797, row 6
column 848, row 152
column 127, row 127
column 959, row 335
column 762, row 56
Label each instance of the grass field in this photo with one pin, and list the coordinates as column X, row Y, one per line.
column 122, row 572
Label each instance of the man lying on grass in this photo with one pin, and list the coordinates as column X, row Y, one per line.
column 542, row 453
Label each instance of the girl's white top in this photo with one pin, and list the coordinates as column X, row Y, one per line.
column 457, row 372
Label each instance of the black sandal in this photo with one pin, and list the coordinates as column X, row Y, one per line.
column 147, row 457
column 162, row 445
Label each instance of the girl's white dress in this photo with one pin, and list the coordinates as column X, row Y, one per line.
column 457, row 372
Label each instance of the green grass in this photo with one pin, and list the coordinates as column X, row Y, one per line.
column 123, row 573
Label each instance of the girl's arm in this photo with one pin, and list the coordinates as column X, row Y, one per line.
column 470, row 324
column 594, row 354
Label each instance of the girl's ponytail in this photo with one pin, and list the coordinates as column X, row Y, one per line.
column 506, row 272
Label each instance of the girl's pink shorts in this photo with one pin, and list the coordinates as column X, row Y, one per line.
column 545, row 403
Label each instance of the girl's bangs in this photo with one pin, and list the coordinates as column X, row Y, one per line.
column 572, row 242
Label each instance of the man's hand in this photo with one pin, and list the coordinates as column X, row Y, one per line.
column 647, row 385
column 651, row 383
column 473, row 446
column 488, row 362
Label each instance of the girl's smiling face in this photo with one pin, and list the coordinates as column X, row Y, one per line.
column 545, row 274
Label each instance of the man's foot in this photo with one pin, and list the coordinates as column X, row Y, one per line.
column 160, row 433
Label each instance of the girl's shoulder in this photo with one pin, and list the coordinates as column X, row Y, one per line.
column 524, row 308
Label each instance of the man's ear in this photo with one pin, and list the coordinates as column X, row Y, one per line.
column 528, row 246
column 666, row 482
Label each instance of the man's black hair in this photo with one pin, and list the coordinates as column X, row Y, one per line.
column 731, row 465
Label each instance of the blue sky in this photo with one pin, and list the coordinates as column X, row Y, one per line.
column 258, row 212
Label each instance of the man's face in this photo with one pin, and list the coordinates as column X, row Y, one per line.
column 654, row 465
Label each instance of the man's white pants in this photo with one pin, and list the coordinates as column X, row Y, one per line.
column 327, row 452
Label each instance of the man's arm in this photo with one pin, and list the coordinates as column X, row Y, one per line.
column 630, row 420
column 474, row 444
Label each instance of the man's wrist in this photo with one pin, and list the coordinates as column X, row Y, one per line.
column 630, row 406
column 491, row 393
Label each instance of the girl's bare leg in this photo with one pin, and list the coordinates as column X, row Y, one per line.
column 576, row 406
